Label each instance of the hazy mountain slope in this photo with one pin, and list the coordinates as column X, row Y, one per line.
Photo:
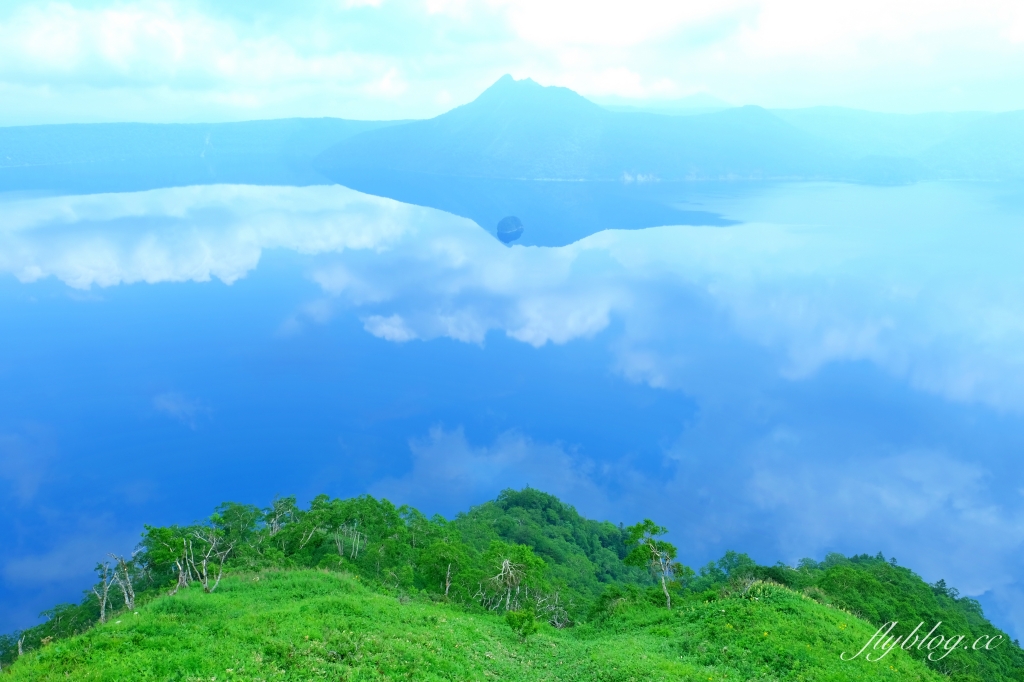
column 311, row 625
column 991, row 148
column 867, row 133
column 127, row 156
column 512, row 130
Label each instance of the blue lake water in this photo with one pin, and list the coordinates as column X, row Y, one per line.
column 819, row 367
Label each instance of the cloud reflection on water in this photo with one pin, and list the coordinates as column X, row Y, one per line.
column 939, row 307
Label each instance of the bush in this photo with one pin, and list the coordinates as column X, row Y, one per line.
column 522, row 622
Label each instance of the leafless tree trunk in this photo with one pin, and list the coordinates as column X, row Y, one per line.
column 665, row 567
column 447, row 580
column 123, row 576
column 21, row 643
column 508, row 578
column 183, row 576
column 214, row 550
column 356, row 535
column 306, row 537
column 280, row 513
column 339, row 541
column 507, row 586
column 182, row 564
column 345, row 534
column 103, row 593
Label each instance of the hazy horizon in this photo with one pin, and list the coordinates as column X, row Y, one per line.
column 204, row 61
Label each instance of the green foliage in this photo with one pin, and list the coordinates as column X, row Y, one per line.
column 300, row 625
column 328, row 589
column 582, row 556
column 658, row 556
column 444, row 564
column 522, row 622
column 878, row 591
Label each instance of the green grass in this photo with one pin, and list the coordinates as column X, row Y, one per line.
column 316, row 625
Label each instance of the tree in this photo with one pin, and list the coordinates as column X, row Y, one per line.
column 102, row 588
column 212, row 546
column 656, row 555
column 278, row 516
column 511, row 571
column 242, row 525
column 123, row 577
column 442, row 560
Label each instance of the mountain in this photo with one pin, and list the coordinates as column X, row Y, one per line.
column 519, row 130
column 561, row 164
column 522, row 131
column 857, row 134
column 107, row 157
column 988, row 148
column 567, row 167
column 361, row 589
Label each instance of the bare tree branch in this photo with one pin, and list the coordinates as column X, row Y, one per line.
column 123, row 577
column 102, row 590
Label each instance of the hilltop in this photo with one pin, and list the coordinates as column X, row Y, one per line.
column 308, row 625
column 360, row 589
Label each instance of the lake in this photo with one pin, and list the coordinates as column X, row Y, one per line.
column 793, row 369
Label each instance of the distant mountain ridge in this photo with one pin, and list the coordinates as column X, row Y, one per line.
column 131, row 156
column 520, row 130
column 565, row 166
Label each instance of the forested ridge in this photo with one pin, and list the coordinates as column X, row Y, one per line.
column 523, row 566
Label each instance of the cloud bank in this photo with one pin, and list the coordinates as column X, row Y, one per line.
column 178, row 60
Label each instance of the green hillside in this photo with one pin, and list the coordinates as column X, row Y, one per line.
column 310, row 625
column 520, row 588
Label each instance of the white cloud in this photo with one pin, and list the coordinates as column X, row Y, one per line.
column 180, row 407
column 171, row 60
column 391, row 328
column 213, row 232
column 25, row 458
column 447, row 471
column 70, row 558
column 770, row 494
column 158, row 43
column 610, row 23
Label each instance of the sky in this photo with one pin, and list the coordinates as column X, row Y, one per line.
column 199, row 60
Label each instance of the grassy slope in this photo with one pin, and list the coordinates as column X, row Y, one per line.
column 310, row 625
